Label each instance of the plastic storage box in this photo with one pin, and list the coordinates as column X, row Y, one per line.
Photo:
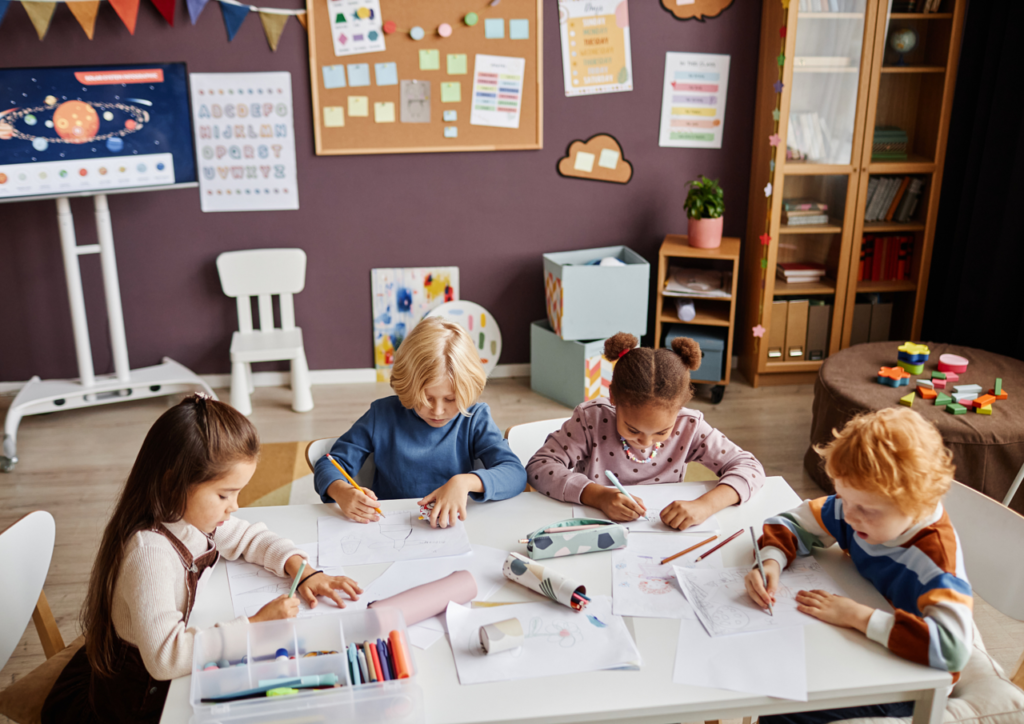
column 712, row 349
column 589, row 302
column 389, row 702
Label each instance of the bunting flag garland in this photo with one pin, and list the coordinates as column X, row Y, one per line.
column 234, row 16
column 85, row 13
column 273, row 25
column 5, row 3
column 40, row 13
column 301, row 17
column 128, row 11
column 166, row 9
column 194, row 8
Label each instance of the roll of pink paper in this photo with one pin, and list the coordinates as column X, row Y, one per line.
column 420, row 603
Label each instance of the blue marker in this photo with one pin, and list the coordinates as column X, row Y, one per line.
column 353, row 664
column 281, row 655
column 617, row 484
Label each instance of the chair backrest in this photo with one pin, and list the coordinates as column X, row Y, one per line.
column 992, row 538
column 527, row 438
column 262, row 273
column 25, row 552
column 318, row 448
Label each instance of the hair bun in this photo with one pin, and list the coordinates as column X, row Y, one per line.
column 689, row 351
column 615, row 345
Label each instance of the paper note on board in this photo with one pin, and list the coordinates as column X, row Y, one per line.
column 451, row 92
column 693, row 100
column 519, row 29
column 415, row 101
column 609, row 158
column 450, row 116
column 358, row 106
column 384, row 112
column 387, row 73
column 334, row 76
column 358, row 74
column 497, row 91
column 494, row 28
column 356, row 26
column 596, row 52
column 451, row 132
column 334, row 116
column 457, row 64
column 430, row 59
column 584, row 161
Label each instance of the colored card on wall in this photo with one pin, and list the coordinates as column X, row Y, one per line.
column 693, row 100
column 596, row 53
column 247, row 164
column 334, row 116
column 497, row 91
column 358, row 106
column 608, row 159
column 356, row 26
column 457, row 64
column 358, row 74
column 494, row 28
column 451, row 92
column 334, row 76
column 387, row 73
column 519, row 29
column 401, row 298
column 451, row 131
column 584, row 161
column 430, row 59
column 384, row 112
column 450, row 116
column 415, row 101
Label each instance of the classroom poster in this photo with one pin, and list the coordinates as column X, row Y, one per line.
column 245, row 141
column 693, row 100
column 596, row 54
column 356, row 26
column 497, row 91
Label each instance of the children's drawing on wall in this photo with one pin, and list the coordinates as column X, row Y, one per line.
column 401, row 298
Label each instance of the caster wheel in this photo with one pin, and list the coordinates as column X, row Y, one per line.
column 7, row 464
column 717, row 393
column 154, row 388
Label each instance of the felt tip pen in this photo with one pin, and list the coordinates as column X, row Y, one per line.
column 297, row 681
column 295, row 583
column 353, row 665
column 615, row 481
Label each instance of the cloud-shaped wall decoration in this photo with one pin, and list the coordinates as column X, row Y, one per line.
column 695, row 9
column 599, row 158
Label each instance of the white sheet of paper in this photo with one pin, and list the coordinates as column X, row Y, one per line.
column 398, row 536
column 252, row 587
column 723, row 606
column 354, row 35
column 737, row 663
column 558, row 640
column 693, row 98
column 641, row 586
column 655, row 498
column 497, row 91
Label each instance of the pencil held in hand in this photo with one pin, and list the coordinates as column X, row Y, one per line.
column 352, row 482
column 760, row 567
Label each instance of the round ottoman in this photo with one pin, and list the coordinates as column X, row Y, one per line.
column 987, row 450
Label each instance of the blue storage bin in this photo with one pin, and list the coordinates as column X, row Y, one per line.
column 712, row 347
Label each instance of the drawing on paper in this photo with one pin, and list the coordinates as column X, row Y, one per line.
column 641, row 586
column 559, row 632
column 656, row 498
column 396, row 537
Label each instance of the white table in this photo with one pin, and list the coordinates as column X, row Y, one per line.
column 844, row 668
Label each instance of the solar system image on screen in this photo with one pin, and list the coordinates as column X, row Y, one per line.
column 96, row 129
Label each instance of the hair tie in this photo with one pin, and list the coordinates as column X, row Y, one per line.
column 623, row 353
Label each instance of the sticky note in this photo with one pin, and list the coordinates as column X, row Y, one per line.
column 358, row 106
column 430, row 59
column 334, row 116
column 334, row 76
column 609, row 158
column 519, row 29
column 451, row 92
column 494, row 28
column 384, row 112
column 450, row 116
column 451, row 131
column 457, row 64
column 387, row 73
column 358, row 74
column 584, row 161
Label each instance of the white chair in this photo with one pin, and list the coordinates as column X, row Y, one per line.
column 526, row 439
column 264, row 273
column 318, row 448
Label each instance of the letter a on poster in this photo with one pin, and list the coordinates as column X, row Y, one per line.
column 596, row 54
column 693, row 100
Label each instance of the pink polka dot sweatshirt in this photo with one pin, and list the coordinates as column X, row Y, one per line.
column 588, row 444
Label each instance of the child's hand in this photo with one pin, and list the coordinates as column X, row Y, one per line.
column 755, row 586
column 612, row 503
column 836, row 610
column 321, row 584
column 280, row 607
column 681, row 514
column 357, row 505
column 450, row 499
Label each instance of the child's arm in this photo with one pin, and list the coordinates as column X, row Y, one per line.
column 735, row 467
column 503, row 476
column 351, row 451
column 253, row 542
column 552, row 469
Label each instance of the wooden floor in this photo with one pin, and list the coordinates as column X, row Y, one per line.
column 74, row 463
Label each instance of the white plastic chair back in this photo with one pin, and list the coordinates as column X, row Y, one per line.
column 992, row 537
column 527, row 438
column 263, row 273
column 318, row 448
column 25, row 552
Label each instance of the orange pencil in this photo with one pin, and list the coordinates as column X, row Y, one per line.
column 701, row 557
column 691, row 548
column 353, row 482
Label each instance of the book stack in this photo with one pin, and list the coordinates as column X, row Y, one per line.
column 800, row 212
column 890, row 144
column 885, row 258
column 799, row 272
column 893, row 198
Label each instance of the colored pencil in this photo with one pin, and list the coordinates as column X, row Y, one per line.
column 760, row 567
column 295, row 583
column 727, row 540
column 349, row 479
column 691, row 548
column 575, row 527
column 371, row 666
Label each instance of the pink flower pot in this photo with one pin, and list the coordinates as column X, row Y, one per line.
column 705, row 233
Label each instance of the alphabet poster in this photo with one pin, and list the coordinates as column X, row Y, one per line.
column 245, row 141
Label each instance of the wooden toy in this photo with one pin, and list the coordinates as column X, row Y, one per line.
column 893, row 376
column 938, row 375
column 952, row 363
column 955, row 409
column 913, row 353
column 951, row 376
column 967, row 388
column 983, row 401
column 1000, row 395
column 999, row 385
column 942, row 399
column 914, row 369
column 907, row 400
column 962, row 397
column 927, row 393
column 926, row 383
column 986, row 410
column 939, row 384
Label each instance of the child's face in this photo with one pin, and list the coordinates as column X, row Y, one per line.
column 875, row 518
column 441, row 406
column 643, row 426
column 211, row 504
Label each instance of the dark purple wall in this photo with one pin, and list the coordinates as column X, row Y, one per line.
column 492, row 214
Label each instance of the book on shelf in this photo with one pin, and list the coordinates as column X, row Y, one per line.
column 698, row 283
column 804, row 205
column 799, row 272
column 885, row 258
column 889, row 144
column 792, row 218
column 892, row 198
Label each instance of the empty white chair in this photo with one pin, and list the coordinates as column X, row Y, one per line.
column 526, row 439
column 318, row 448
column 264, row 273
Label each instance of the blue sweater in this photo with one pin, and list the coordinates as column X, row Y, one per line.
column 414, row 459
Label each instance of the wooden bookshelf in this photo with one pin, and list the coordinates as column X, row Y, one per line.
column 913, row 92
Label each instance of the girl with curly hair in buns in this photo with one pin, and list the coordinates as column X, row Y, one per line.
column 644, row 434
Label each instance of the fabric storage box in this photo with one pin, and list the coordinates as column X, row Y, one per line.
column 568, row 371
column 590, row 302
column 712, row 349
column 389, row 702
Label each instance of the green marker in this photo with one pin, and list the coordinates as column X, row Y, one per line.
column 295, row 583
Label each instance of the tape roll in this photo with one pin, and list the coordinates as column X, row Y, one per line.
column 420, row 603
column 502, row 636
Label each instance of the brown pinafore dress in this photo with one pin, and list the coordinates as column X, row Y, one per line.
column 131, row 694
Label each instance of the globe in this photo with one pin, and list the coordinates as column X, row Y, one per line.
column 903, row 40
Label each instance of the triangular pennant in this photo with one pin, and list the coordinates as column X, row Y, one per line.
column 40, row 14
column 234, row 16
column 166, row 9
column 301, row 17
column 5, row 3
column 128, row 11
column 85, row 14
column 273, row 24
column 194, row 8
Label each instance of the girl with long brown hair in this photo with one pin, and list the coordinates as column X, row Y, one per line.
column 170, row 526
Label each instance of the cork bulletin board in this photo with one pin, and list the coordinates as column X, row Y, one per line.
column 472, row 82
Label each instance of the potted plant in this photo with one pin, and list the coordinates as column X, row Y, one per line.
column 705, row 204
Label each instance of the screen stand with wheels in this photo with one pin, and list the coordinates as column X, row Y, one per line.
column 40, row 396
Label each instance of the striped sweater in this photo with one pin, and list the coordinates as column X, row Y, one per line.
column 921, row 574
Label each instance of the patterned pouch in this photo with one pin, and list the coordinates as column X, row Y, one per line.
column 607, row 537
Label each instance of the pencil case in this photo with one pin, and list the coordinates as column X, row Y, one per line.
column 545, row 581
column 541, row 545
column 421, row 602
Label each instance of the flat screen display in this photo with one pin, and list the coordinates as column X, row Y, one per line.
column 94, row 129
